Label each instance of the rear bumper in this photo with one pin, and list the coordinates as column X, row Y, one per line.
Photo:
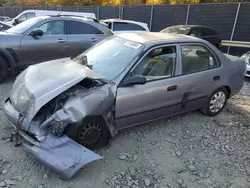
column 61, row 154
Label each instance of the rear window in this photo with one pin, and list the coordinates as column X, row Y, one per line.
column 208, row 32
column 122, row 26
column 78, row 28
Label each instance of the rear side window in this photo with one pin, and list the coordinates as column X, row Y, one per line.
column 30, row 15
column 122, row 26
column 208, row 32
column 79, row 28
column 196, row 58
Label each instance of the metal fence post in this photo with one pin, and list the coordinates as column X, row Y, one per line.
column 235, row 22
column 121, row 16
column 151, row 17
column 187, row 14
column 3, row 11
column 78, row 8
column 98, row 12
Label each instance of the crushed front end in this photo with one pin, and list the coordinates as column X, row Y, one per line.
column 41, row 112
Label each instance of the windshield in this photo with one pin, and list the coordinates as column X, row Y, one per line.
column 110, row 57
column 24, row 26
column 176, row 30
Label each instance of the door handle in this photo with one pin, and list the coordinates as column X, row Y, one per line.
column 94, row 40
column 61, row 40
column 216, row 78
column 172, row 88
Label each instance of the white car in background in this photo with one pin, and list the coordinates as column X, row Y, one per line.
column 27, row 14
column 121, row 26
column 246, row 56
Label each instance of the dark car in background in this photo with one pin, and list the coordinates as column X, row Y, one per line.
column 4, row 26
column 4, row 18
column 207, row 33
column 46, row 38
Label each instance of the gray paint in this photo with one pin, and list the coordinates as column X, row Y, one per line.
column 166, row 15
column 120, row 106
column 30, row 50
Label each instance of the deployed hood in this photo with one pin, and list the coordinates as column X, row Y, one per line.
column 42, row 82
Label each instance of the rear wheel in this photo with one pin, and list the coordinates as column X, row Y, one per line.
column 3, row 69
column 93, row 133
column 216, row 102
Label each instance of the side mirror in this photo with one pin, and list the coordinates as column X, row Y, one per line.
column 36, row 33
column 133, row 80
column 15, row 22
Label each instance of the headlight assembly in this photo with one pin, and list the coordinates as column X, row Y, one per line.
column 19, row 98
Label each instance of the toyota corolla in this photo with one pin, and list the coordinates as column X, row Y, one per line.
column 63, row 108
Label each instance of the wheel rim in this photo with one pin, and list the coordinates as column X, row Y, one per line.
column 90, row 134
column 217, row 102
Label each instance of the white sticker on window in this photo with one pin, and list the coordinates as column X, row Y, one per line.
column 132, row 44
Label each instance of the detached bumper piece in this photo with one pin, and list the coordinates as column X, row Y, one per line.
column 62, row 155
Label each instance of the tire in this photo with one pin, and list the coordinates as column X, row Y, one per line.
column 92, row 133
column 3, row 69
column 216, row 102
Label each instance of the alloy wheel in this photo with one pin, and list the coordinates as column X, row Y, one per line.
column 217, row 102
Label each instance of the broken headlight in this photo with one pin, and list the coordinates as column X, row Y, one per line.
column 20, row 98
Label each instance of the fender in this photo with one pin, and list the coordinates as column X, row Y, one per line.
column 11, row 61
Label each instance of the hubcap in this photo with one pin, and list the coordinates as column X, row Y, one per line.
column 90, row 134
column 217, row 102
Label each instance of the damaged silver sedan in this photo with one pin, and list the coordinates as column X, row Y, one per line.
column 65, row 107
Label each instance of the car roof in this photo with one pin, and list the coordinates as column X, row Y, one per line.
column 157, row 38
column 120, row 20
column 69, row 17
column 192, row 26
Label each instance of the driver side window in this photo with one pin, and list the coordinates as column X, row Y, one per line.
column 158, row 63
column 22, row 18
column 52, row 28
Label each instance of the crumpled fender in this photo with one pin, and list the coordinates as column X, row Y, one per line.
column 62, row 155
column 94, row 102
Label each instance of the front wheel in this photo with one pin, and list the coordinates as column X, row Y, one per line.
column 216, row 102
column 93, row 133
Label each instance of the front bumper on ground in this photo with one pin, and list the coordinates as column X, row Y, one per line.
column 61, row 154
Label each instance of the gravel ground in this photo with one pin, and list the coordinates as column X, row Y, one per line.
column 190, row 150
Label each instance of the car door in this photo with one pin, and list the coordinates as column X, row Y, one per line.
column 52, row 45
column 200, row 76
column 81, row 36
column 158, row 97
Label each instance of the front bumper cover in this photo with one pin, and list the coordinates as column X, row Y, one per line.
column 61, row 154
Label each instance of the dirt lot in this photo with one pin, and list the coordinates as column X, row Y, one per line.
column 190, row 150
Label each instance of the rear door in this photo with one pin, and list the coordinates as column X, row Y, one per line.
column 200, row 76
column 82, row 36
column 52, row 45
